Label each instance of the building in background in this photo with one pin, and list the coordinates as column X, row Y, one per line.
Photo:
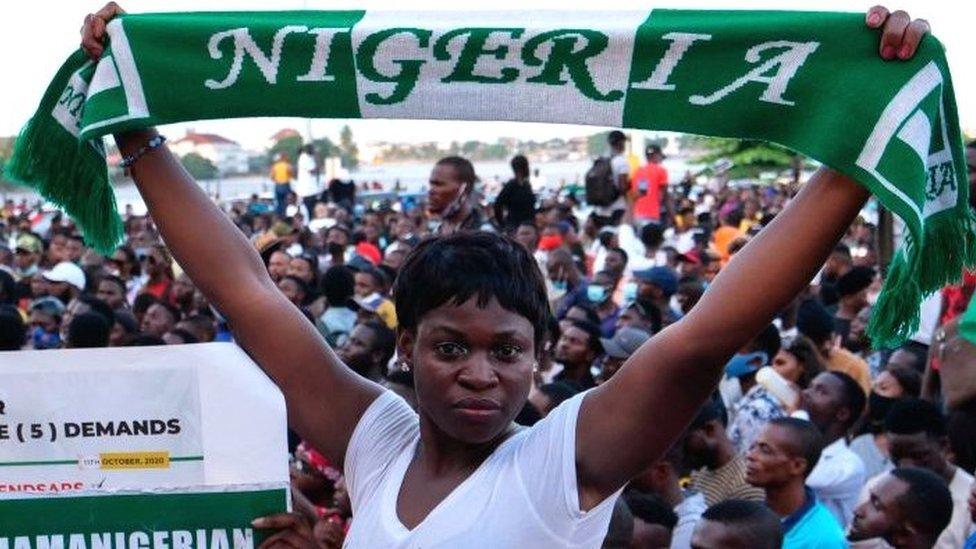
column 226, row 155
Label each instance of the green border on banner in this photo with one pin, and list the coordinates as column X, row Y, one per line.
column 177, row 519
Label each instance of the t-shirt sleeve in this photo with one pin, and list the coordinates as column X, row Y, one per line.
column 546, row 465
column 620, row 166
column 387, row 426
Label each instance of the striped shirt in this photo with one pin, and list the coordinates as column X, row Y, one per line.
column 726, row 482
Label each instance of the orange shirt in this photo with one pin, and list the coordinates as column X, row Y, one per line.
column 721, row 239
column 646, row 184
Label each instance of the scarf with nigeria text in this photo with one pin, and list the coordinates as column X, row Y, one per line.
column 810, row 81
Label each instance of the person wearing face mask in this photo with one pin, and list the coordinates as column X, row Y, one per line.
column 45, row 321
column 566, row 285
column 600, row 293
column 871, row 443
column 757, row 406
column 917, row 437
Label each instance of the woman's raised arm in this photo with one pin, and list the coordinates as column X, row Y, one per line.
column 325, row 399
column 629, row 422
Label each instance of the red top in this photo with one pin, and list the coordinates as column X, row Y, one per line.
column 646, row 185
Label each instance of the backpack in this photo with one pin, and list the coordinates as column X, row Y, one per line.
column 601, row 189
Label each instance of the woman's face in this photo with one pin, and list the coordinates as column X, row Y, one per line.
column 472, row 368
column 787, row 365
column 887, row 385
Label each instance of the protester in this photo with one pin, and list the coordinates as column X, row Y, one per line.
column 757, row 405
column 650, row 186
column 779, row 461
column 916, row 431
column 737, row 524
column 515, row 204
column 906, row 507
column 617, row 350
column 834, row 403
column 577, row 350
column 655, row 523
column 281, row 175
column 473, row 320
column 662, row 479
column 718, row 471
column 870, row 442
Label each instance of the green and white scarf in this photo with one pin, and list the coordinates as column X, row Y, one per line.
column 810, row 81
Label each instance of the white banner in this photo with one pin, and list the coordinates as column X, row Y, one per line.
column 142, row 418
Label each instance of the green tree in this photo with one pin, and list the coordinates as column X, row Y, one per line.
column 199, row 167
column 6, row 149
column 288, row 146
column 596, row 144
column 750, row 157
column 349, row 152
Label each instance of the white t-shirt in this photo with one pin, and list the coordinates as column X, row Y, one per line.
column 523, row 495
column 837, row 480
column 305, row 183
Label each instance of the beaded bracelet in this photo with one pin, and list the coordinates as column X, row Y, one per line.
column 153, row 143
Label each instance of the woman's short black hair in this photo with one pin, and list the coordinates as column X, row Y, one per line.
column 469, row 264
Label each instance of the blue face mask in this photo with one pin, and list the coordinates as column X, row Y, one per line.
column 596, row 294
column 740, row 365
column 630, row 291
column 45, row 340
column 559, row 285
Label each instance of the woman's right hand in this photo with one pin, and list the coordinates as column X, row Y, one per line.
column 93, row 29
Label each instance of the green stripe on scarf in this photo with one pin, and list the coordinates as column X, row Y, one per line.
column 810, row 81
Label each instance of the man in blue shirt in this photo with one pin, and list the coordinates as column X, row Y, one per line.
column 779, row 461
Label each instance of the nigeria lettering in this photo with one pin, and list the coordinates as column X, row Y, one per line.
column 397, row 57
column 244, row 45
column 219, row 538
column 567, row 53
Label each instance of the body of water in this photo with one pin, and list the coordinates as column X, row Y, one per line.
column 412, row 176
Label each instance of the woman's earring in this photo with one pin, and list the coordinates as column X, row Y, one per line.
column 404, row 366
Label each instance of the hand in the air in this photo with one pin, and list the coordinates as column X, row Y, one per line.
column 93, row 29
column 900, row 34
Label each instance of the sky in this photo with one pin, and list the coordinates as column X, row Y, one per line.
column 953, row 21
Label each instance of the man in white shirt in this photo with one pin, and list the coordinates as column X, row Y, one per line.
column 916, row 431
column 834, row 401
column 307, row 180
column 613, row 213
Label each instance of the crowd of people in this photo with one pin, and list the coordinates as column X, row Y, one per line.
column 875, row 457
column 814, row 438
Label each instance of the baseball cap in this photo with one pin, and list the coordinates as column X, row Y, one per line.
column 48, row 305
column 29, row 243
column 67, row 272
column 624, row 342
column 654, row 149
column 662, row 277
